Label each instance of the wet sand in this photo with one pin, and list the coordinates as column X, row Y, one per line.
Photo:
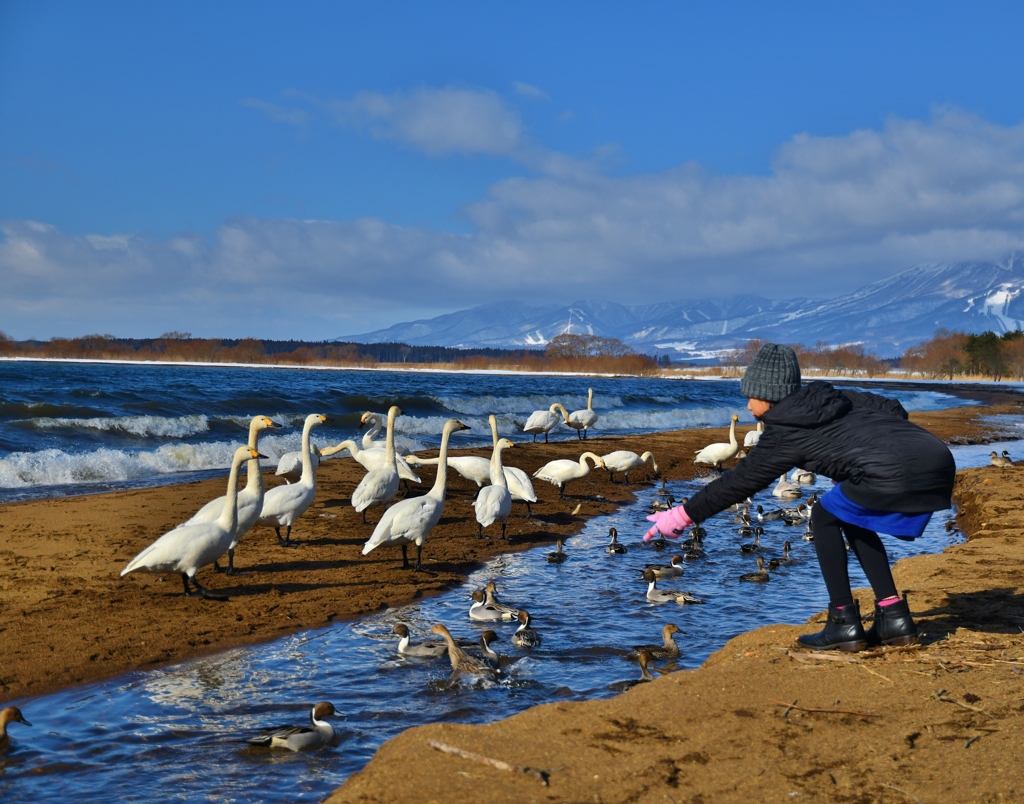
column 70, row 619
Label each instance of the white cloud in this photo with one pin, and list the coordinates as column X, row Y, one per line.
column 277, row 113
column 436, row 121
column 834, row 213
column 529, row 91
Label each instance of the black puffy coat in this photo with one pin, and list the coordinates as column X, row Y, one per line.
column 863, row 440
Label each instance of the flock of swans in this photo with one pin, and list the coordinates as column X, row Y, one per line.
column 217, row 528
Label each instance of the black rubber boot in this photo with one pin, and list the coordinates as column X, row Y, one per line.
column 843, row 631
column 893, row 625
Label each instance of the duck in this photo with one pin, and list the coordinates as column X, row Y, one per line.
column 786, row 490
column 249, row 501
column 371, row 459
column 1006, row 454
column 562, row 471
column 753, row 436
column 558, row 556
column 795, row 516
column 754, row 546
column 283, row 505
column 665, row 504
column 462, row 662
column 11, row 714
column 692, row 551
column 518, row 482
column 380, row 486
column 582, row 420
column 624, row 461
column 289, row 465
column 668, row 650
column 494, row 502
column 409, row 521
column 426, row 650
column 489, row 654
column 300, row 738
column 480, row 611
column 785, row 561
column 614, row 548
column 698, row 532
column 688, row 598
column 802, row 477
column 509, row 613
column 645, row 675
column 659, row 544
column 808, row 535
column 747, row 526
column 662, row 490
column 999, row 460
column 544, row 421
column 663, row 571
column 654, row 594
column 525, row 637
column 717, row 454
column 757, row 577
column 187, row 548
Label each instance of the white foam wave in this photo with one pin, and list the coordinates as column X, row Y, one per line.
column 178, row 427
column 486, row 404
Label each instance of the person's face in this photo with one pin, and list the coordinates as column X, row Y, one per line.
column 758, row 407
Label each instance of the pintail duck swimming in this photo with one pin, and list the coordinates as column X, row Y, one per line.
column 480, row 611
column 645, row 674
column 486, row 638
column 757, row 577
column 11, row 714
column 654, row 594
column 754, row 546
column 663, row 571
column 668, row 650
column 746, row 527
column 426, row 650
column 300, row 738
column 525, row 637
column 462, row 662
column 808, row 532
column 692, row 550
column 558, row 556
column 508, row 613
column 614, row 548
column 785, row 561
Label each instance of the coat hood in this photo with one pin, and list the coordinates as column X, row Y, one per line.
column 815, row 404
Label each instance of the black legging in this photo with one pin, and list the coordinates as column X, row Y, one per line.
column 865, row 544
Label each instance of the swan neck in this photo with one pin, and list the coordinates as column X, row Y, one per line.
column 389, row 443
column 497, row 470
column 732, row 433
column 441, row 481
column 229, row 516
column 590, row 399
column 254, row 477
column 494, row 429
column 307, row 462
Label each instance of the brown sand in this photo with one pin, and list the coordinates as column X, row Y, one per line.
column 70, row 619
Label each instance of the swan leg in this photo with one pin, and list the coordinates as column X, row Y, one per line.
column 479, row 530
column 545, row 436
column 627, row 478
column 419, row 553
column 503, row 536
column 405, row 557
column 201, row 591
column 287, row 540
column 230, row 569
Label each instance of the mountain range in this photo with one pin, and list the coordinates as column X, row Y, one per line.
column 886, row 317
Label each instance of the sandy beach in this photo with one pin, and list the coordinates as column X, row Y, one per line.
column 71, row 620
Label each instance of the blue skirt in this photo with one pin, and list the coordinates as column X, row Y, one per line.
column 902, row 526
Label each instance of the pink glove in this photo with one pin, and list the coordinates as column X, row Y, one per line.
column 669, row 523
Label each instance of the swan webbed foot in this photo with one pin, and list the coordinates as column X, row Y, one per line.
column 201, row 591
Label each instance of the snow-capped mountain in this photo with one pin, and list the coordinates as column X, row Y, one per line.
column 886, row 316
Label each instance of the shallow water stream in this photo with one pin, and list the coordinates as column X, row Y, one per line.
column 178, row 733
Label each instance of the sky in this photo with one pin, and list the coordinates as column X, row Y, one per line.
column 319, row 169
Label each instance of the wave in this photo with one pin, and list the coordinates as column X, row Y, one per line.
column 143, row 426
column 484, row 405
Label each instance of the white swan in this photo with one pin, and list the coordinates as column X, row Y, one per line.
column 289, row 465
column 803, row 477
column 250, row 499
column 544, row 421
column 284, row 504
column 581, row 420
column 494, row 502
column 472, row 467
column 625, row 461
column 380, row 486
column 753, row 436
column 518, row 482
column 376, row 422
column 717, row 454
column 787, row 490
column 189, row 547
column 562, row 471
column 410, row 520
column 371, row 459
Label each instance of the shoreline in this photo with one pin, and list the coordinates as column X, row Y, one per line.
column 72, row 619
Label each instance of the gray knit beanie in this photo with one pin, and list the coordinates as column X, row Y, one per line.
column 772, row 375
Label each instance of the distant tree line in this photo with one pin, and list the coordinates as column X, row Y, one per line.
column 564, row 353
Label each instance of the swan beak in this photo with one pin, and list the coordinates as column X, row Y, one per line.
column 327, row 420
column 272, row 425
column 256, row 454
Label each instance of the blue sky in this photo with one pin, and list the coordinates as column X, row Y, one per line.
column 321, row 169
